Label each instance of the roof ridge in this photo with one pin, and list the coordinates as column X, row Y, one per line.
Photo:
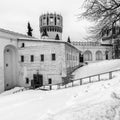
column 12, row 32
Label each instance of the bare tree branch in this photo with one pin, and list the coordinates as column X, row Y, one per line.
column 105, row 14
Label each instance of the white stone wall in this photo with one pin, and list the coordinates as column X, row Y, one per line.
column 48, row 68
column 94, row 48
column 6, row 38
column 53, row 34
column 71, row 57
column 3, row 43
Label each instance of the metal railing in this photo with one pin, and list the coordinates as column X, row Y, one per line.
column 80, row 81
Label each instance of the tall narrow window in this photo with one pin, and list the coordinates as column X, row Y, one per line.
column 49, row 81
column 23, row 45
column 22, row 58
column 27, row 80
column 53, row 57
column 32, row 58
column 55, row 20
column 42, row 57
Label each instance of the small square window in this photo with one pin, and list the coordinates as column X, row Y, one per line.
column 53, row 57
column 42, row 57
column 22, row 58
column 23, row 45
column 27, row 80
column 32, row 58
column 49, row 81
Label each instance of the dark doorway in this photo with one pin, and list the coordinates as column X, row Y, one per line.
column 49, row 81
column 37, row 80
column 81, row 58
column 106, row 56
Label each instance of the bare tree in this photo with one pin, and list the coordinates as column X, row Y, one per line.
column 105, row 14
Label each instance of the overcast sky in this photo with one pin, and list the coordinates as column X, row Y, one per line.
column 14, row 15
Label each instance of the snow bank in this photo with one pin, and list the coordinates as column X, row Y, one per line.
column 95, row 101
column 96, row 68
column 13, row 91
column 99, row 101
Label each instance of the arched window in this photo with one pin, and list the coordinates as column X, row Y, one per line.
column 87, row 56
column 55, row 20
column 99, row 55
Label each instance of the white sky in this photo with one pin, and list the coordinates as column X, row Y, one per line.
column 14, row 15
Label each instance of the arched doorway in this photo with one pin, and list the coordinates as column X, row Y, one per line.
column 81, row 58
column 10, row 67
column 106, row 54
column 87, row 56
column 99, row 55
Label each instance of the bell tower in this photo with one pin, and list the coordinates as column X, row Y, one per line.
column 52, row 25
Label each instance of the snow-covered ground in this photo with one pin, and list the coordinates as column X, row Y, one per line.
column 96, row 68
column 97, row 101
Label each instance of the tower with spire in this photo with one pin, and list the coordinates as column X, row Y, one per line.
column 51, row 26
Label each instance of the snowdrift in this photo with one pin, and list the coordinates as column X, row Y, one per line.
column 95, row 101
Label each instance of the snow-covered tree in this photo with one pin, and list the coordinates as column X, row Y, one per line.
column 104, row 13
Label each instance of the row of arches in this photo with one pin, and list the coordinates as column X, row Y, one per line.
column 88, row 55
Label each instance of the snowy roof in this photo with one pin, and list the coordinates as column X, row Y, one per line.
column 14, row 33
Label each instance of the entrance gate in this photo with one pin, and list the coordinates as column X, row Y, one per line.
column 37, row 80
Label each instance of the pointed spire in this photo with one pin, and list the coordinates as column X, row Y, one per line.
column 44, row 33
column 68, row 40
column 57, row 37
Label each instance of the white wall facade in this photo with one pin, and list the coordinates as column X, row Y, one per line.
column 8, row 40
column 3, row 43
column 48, row 68
column 66, row 59
column 94, row 48
column 13, row 72
column 72, row 58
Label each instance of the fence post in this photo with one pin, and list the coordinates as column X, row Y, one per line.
column 110, row 75
column 50, row 87
column 80, row 81
column 72, row 83
column 58, row 86
column 43, row 86
column 98, row 77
